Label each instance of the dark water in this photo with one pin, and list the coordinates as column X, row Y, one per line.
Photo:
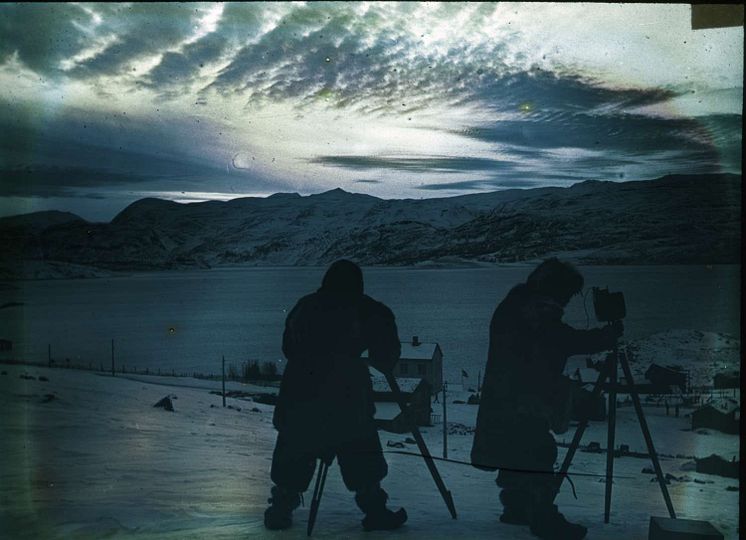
column 186, row 320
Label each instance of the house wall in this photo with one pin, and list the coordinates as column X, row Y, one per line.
column 711, row 419
column 431, row 371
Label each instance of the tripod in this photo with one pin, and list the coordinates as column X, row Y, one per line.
column 324, row 466
column 609, row 371
column 447, row 498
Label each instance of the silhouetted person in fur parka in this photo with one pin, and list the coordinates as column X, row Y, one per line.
column 523, row 395
column 325, row 406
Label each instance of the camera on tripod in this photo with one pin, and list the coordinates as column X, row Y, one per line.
column 609, row 306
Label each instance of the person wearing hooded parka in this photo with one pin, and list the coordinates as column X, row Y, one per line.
column 524, row 395
column 325, row 405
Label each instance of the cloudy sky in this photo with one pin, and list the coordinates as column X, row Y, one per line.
column 102, row 104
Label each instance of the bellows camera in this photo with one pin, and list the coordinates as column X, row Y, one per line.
column 609, row 306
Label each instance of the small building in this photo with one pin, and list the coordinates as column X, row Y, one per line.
column 382, row 391
column 6, row 345
column 721, row 415
column 666, row 376
column 421, row 360
column 727, row 379
column 416, row 394
column 715, row 464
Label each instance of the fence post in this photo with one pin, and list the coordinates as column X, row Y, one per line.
column 223, row 380
column 445, row 423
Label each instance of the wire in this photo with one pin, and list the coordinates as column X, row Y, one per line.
column 469, row 463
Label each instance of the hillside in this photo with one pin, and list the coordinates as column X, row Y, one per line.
column 672, row 220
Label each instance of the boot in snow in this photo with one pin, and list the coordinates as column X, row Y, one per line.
column 385, row 520
column 280, row 514
column 372, row 501
column 548, row 523
column 515, row 506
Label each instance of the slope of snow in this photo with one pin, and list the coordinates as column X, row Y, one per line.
column 99, row 461
column 701, row 354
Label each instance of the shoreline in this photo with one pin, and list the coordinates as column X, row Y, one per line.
column 92, row 272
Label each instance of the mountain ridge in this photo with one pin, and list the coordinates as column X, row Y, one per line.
column 676, row 219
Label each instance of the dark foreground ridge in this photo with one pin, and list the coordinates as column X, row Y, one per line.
column 682, row 219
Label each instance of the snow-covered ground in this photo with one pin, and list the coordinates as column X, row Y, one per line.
column 98, row 460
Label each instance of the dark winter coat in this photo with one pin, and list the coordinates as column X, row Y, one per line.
column 326, row 395
column 523, row 384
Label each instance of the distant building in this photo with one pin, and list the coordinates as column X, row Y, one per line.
column 723, row 415
column 382, row 390
column 662, row 377
column 727, row 379
column 715, row 464
column 6, row 345
column 418, row 410
column 420, row 360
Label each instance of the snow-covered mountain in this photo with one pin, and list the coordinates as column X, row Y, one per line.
column 674, row 219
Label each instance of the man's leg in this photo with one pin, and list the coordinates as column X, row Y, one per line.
column 515, row 496
column 526, row 457
column 545, row 520
column 363, row 467
column 291, row 472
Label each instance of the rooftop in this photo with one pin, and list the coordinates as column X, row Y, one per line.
column 414, row 350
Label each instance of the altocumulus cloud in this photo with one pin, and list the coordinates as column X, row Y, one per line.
column 353, row 55
column 532, row 103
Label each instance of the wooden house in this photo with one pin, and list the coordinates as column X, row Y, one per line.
column 663, row 377
column 714, row 464
column 721, row 415
column 418, row 361
column 422, row 361
column 727, row 379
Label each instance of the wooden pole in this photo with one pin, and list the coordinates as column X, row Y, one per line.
column 611, row 433
column 447, row 498
column 646, row 434
column 445, row 423
column 113, row 373
column 223, row 380
column 318, row 490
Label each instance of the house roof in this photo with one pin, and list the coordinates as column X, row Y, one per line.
column 665, row 370
column 729, row 374
column 722, row 406
column 423, row 351
column 406, row 384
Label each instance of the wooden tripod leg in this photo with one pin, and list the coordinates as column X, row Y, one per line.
column 581, row 427
column 611, row 433
column 447, row 498
column 318, row 490
column 646, row 433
